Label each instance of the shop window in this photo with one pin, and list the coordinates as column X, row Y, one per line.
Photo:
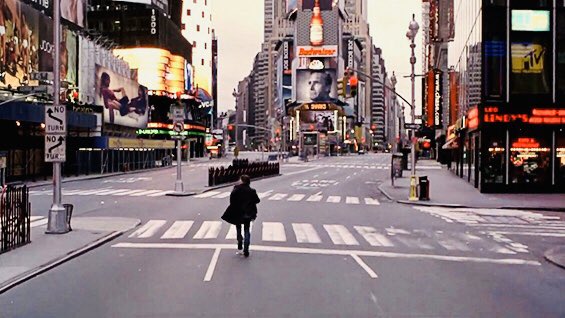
column 495, row 162
column 494, row 82
column 530, row 160
column 560, row 153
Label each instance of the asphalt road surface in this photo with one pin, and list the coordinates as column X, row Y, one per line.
column 326, row 243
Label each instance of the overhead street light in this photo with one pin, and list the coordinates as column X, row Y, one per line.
column 413, row 28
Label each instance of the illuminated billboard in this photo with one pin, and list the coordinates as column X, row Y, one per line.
column 316, row 85
column 318, row 120
column 124, row 100
column 530, row 20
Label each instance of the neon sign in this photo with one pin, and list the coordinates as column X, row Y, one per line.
column 537, row 116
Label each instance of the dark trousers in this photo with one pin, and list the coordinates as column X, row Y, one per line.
column 246, row 238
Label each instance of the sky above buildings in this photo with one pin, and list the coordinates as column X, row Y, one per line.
column 239, row 27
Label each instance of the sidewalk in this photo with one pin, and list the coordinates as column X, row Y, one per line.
column 447, row 189
column 47, row 251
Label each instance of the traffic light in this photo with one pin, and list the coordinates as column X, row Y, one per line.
column 230, row 127
column 342, row 86
column 353, row 82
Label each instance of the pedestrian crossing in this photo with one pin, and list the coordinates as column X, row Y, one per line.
column 297, row 197
column 366, row 166
column 334, row 234
column 107, row 192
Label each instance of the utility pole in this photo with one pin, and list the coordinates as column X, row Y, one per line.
column 413, row 28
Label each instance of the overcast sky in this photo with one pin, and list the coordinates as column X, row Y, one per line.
column 239, row 27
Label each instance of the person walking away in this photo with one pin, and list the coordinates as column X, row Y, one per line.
column 236, row 152
column 241, row 211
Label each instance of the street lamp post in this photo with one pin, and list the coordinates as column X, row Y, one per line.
column 413, row 28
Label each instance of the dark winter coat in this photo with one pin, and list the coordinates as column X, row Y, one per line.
column 243, row 205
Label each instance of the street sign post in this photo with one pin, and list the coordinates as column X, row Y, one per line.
column 177, row 115
column 55, row 148
column 55, row 119
column 412, row 126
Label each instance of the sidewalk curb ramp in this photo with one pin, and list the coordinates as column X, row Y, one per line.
column 556, row 256
column 61, row 260
column 453, row 205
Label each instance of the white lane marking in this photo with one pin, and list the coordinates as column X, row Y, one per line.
column 451, row 244
column 533, row 233
column 39, row 222
column 222, row 195
column 263, row 195
column 340, row 235
column 111, row 191
column 371, row 201
column 148, row 229
column 212, row 266
column 161, row 193
column 521, row 226
column 371, row 235
column 352, row 200
column 334, row 199
column 318, row 251
column 414, row 243
column 314, row 198
column 178, row 230
column 364, row 265
column 296, row 197
column 305, row 233
column 90, row 192
column 393, row 231
column 232, row 233
column 206, row 194
column 273, row 231
column 278, row 197
column 129, row 192
column 208, row 230
column 145, row 193
column 301, row 171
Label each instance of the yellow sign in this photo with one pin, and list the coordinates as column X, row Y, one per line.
column 114, row 142
column 528, row 58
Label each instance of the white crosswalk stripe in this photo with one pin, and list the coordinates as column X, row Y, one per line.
column 222, row 195
column 232, row 232
column 263, row 195
column 296, row 197
column 129, row 192
column 352, row 200
column 144, row 193
column 314, row 198
column 372, row 237
column 208, row 230
column 371, row 201
column 451, row 243
column 178, row 230
column 149, row 229
column 207, row 194
column 278, row 197
column 305, row 233
column 340, row 235
column 110, row 191
column 161, row 193
column 274, row 232
column 334, row 199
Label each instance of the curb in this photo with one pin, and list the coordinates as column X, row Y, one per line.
column 58, row 261
column 463, row 206
column 98, row 176
column 548, row 255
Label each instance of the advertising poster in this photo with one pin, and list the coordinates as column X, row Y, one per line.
column 74, row 11
column 316, row 86
column 68, row 51
column 125, row 101
column 19, row 43
column 324, row 4
column 318, row 120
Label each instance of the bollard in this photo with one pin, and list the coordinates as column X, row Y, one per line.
column 413, row 190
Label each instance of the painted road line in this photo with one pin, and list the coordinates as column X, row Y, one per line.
column 372, row 237
column 232, row 233
column 148, row 229
column 340, row 235
column 139, row 194
column 305, row 233
column 109, row 191
column 314, row 198
column 371, row 201
column 319, row 251
column 296, row 197
column 129, row 192
column 116, row 191
column 364, row 266
column 208, row 230
column 38, row 222
column 301, row 171
column 212, row 265
column 333, row 199
column 520, row 226
column 450, row 243
column 263, row 195
column 414, row 243
column 207, row 194
column 274, row 232
column 222, row 195
column 161, row 193
column 178, row 230
column 278, row 197
column 352, row 200
column 550, row 234
column 91, row 192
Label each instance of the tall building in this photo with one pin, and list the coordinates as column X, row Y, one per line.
column 378, row 110
column 196, row 19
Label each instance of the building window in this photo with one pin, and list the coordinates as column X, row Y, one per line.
column 194, row 1
column 203, row 15
column 205, row 2
column 530, row 158
column 193, row 43
column 188, row 12
column 495, row 163
column 205, row 46
column 198, row 28
column 202, row 62
column 208, row 30
column 183, row 26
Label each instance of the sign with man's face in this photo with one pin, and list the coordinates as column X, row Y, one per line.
column 316, row 85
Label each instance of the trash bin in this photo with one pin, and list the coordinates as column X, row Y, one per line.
column 396, row 169
column 424, row 185
column 69, row 210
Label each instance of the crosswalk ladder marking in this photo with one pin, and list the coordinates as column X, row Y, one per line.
column 148, row 229
column 208, row 230
column 160, row 193
column 207, row 194
column 129, row 192
column 372, row 237
column 222, row 195
column 278, row 197
column 139, row 194
column 352, row 200
column 340, row 235
column 305, row 233
column 314, row 198
column 178, row 230
column 371, row 201
column 296, row 197
column 274, row 232
column 334, row 199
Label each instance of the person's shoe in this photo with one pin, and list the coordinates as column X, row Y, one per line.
column 240, row 252
column 246, row 253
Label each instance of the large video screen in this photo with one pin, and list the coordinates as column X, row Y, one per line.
column 530, row 20
column 323, row 121
column 316, row 86
column 125, row 101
